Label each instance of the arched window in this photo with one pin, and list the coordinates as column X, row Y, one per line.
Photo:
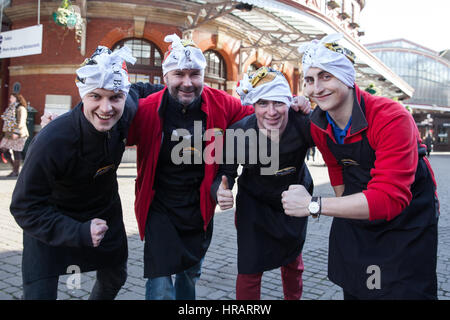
column 148, row 61
column 215, row 72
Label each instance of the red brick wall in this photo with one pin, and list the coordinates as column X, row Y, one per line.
column 35, row 87
column 60, row 47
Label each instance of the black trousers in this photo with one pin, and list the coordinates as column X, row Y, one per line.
column 106, row 287
column 348, row 296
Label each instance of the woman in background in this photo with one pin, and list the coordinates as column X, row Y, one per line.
column 15, row 131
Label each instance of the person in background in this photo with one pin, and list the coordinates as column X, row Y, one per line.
column 312, row 152
column 429, row 144
column 15, row 132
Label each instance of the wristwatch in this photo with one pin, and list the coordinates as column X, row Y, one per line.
column 315, row 207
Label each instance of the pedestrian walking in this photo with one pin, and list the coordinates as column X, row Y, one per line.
column 15, row 132
column 429, row 144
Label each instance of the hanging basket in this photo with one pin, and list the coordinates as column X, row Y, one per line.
column 67, row 16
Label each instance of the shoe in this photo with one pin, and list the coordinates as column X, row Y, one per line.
column 4, row 159
column 13, row 174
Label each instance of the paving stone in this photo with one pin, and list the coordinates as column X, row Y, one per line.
column 9, row 269
column 219, row 268
column 14, row 281
column 5, row 296
column 445, row 286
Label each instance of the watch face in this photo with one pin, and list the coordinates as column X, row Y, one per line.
column 314, row 207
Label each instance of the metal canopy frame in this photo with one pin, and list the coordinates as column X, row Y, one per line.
column 279, row 33
column 208, row 11
column 274, row 27
column 263, row 29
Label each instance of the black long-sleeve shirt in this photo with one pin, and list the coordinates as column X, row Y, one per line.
column 68, row 179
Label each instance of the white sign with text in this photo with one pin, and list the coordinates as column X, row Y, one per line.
column 21, row 42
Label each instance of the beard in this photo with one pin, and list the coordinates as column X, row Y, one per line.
column 186, row 95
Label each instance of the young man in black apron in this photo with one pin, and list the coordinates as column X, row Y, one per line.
column 383, row 239
column 66, row 198
column 267, row 238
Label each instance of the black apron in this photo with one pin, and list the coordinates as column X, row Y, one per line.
column 267, row 237
column 174, row 236
column 89, row 190
column 404, row 249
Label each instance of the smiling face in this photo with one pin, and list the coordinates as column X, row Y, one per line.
column 103, row 108
column 271, row 115
column 184, row 85
column 326, row 90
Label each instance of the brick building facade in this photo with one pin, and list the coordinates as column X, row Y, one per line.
column 236, row 36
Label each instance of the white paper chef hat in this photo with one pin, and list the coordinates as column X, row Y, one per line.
column 106, row 70
column 327, row 55
column 265, row 83
column 182, row 54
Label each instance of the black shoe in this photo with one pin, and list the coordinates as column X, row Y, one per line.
column 13, row 174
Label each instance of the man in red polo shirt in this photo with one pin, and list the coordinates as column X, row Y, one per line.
column 383, row 239
column 173, row 206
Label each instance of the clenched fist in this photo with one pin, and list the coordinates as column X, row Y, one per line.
column 98, row 230
column 296, row 201
column 47, row 117
column 225, row 198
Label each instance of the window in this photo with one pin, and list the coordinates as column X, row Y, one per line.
column 215, row 72
column 443, row 133
column 148, row 61
column 58, row 104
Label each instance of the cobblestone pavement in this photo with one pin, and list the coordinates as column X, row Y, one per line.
column 219, row 268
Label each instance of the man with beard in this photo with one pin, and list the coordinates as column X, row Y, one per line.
column 173, row 206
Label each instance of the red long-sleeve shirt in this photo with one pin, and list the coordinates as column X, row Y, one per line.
column 393, row 135
column 221, row 111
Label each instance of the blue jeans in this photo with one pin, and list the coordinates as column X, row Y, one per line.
column 162, row 288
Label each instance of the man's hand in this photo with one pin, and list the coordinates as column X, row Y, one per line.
column 47, row 117
column 296, row 201
column 302, row 104
column 98, row 230
column 224, row 195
